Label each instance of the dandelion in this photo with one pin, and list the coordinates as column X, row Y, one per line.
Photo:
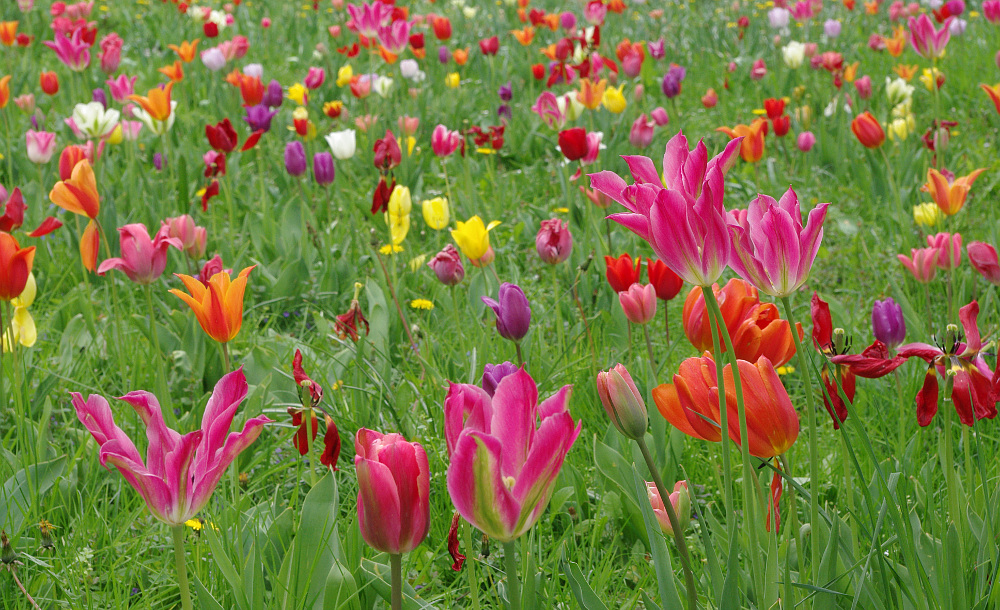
column 422, row 304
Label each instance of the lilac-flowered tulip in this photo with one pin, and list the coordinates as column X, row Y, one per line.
column 73, row 51
column 512, row 310
column 684, row 223
column 143, row 259
column 506, row 452
column 771, row 248
column 180, row 472
column 927, row 41
column 393, row 491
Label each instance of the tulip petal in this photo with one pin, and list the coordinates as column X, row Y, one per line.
column 477, row 488
column 515, row 404
column 534, row 486
column 378, row 502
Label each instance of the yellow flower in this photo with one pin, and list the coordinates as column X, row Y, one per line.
column 436, row 213
column 486, row 151
column 393, row 249
column 398, row 216
column 194, row 524
column 297, row 93
column 452, row 80
column 421, row 304
column 473, row 237
column 344, row 75
column 561, row 210
column 613, row 100
column 410, row 143
column 900, row 128
column 930, row 76
column 22, row 324
column 417, row 262
column 785, row 370
column 927, row 214
column 116, row 135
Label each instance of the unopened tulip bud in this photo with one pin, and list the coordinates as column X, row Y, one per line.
column 681, row 501
column 622, row 402
column 639, row 303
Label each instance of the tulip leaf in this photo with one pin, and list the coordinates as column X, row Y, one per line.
column 647, row 602
column 341, row 589
column 669, row 599
column 16, row 493
column 307, row 564
column 582, row 591
column 203, row 598
column 956, row 570
column 616, row 468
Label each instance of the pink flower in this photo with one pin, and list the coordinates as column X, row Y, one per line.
column 506, row 452
column 594, row 147
column 554, row 242
column 983, row 258
column 638, row 303
column 393, row 491
column 395, row 37
column 121, row 87
column 758, row 70
column 548, row 109
column 771, row 248
column 680, row 498
column 864, row 87
column 367, row 19
column 72, row 51
column 314, row 79
column 444, row 141
column 41, row 146
column 921, row 263
column 143, row 260
column 805, row 141
column 595, row 12
column 192, row 237
column 949, row 247
column 927, row 41
column 447, row 266
column 180, row 472
column 659, row 116
column 408, row 125
column 991, row 11
column 641, row 134
column 111, row 52
column 684, row 223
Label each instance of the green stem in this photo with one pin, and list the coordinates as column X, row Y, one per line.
column 225, row 358
column 679, row 539
column 520, row 357
column 814, row 483
column 900, row 215
column 901, row 433
column 471, row 567
column 396, row 568
column 181, row 566
column 718, row 326
column 513, row 582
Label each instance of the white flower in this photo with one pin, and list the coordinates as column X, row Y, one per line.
column 343, row 143
column 469, row 12
column 218, row 18
column 254, row 71
column 382, row 85
column 778, row 17
column 93, row 120
column 213, row 59
column 898, row 91
column 157, row 127
column 794, row 53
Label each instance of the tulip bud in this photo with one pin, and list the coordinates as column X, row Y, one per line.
column 323, row 168
column 447, row 266
column 512, row 310
column 887, row 322
column 554, row 242
column 622, row 402
column 295, row 158
column 805, row 141
column 494, row 373
column 680, row 499
column 638, row 303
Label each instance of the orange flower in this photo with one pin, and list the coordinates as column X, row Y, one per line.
column 79, row 193
column 993, row 92
column 15, row 266
column 8, row 33
column 174, row 72
column 186, row 51
column 252, row 90
column 850, row 72
column 549, row 51
column 950, row 196
column 218, row 306
column 616, row 6
column 755, row 328
column 90, row 242
column 235, row 77
column 867, row 130
column 897, row 43
column 461, row 56
column 552, row 21
column 905, row 72
column 871, row 8
column 4, row 91
column 525, row 36
column 387, row 56
column 590, row 93
column 156, row 102
column 752, row 147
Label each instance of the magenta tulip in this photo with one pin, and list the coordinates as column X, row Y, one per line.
column 983, row 258
column 504, row 463
column 641, row 133
column 143, row 259
column 393, row 491
column 949, row 248
column 444, row 142
column 554, row 242
column 927, row 41
column 180, row 472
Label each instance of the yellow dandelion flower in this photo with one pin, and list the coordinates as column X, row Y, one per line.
column 421, row 304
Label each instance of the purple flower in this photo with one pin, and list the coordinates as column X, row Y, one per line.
column 273, row 95
column 657, row 48
column 504, row 112
column 99, row 96
column 512, row 310
column 158, row 161
column 295, row 158
column 506, row 92
column 494, row 373
column 672, row 81
column 888, row 323
column 444, row 55
column 323, row 169
column 259, row 117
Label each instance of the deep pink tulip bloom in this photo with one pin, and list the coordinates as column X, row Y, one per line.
column 121, row 87
column 393, row 491
column 41, row 146
column 447, row 266
column 921, row 263
column 554, row 242
column 949, row 247
column 367, row 19
column 771, row 248
column 143, row 259
column 111, row 53
column 504, row 463
column 927, row 41
column 444, row 141
column 991, row 11
column 395, row 37
column 983, row 258
column 180, row 472
column 684, row 223
column 314, row 78
column 641, row 134
column 638, row 303
column 72, row 51
column 192, row 237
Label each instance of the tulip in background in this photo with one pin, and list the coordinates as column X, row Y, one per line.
column 622, row 272
column 639, row 303
column 554, row 242
column 143, row 259
column 888, row 324
column 867, row 130
column 473, row 237
column 983, row 258
column 513, row 314
column 447, row 266
column 948, row 192
column 218, row 305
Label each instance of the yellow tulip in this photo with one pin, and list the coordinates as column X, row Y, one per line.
column 436, row 213
column 400, row 202
column 297, row 93
column 452, row 80
column 344, row 75
column 22, row 324
column 613, row 100
column 473, row 237
column 927, row 214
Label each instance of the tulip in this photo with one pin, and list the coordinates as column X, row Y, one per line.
column 493, row 374
column 121, row 87
column 921, row 263
column 473, row 237
column 157, row 110
column 554, row 242
column 758, row 70
column 755, row 328
column 671, row 84
column 447, row 266
column 489, row 46
column 623, row 402
column 217, row 306
column 512, row 310
column 442, row 28
column 22, row 325
column 680, row 499
column 295, row 159
column 641, row 133
column 927, row 41
column 111, row 53
column 573, row 143
column 259, row 117
column 506, row 452
column 950, row 194
column 193, row 238
column 690, row 405
column 342, row 143
column 41, row 146
column 213, row 59
column 367, row 19
column 805, row 141
column 78, row 194
column 435, row 212
column 864, row 87
column 274, row 95
column 793, row 54
column 15, row 267
column 622, row 272
column 666, row 282
column 393, row 491
column 143, row 259
column 323, row 169
column 13, row 216
column 315, row 78
column 752, row 143
column 778, row 271
column 72, row 51
column 94, row 120
column 444, row 142
column 638, row 303
column 887, row 322
column 25, row 102
column 867, row 130
column 949, row 247
column 387, row 152
column 983, row 258
column 831, row 27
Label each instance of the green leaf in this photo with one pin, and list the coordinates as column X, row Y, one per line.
column 582, row 591
column 669, row 599
column 378, row 576
column 17, row 492
column 341, row 589
column 307, row 564
column 204, row 599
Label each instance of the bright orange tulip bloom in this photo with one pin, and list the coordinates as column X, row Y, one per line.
column 755, row 328
column 524, row 36
column 186, row 51
column 950, row 196
column 387, row 56
column 897, row 43
column 219, row 306
column 851, row 72
column 752, row 147
column 867, row 130
column 78, row 194
column 4, row 91
column 552, row 21
column 90, row 243
column 174, row 72
column 15, row 266
column 251, row 89
column 906, row 72
column 691, row 404
column 8, row 33
column 993, row 92
column 549, row 51
column 461, row 56
column 156, row 102
column 591, row 93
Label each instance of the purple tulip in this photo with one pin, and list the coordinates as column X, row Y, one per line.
column 506, row 92
column 671, row 85
column 512, row 310
column 504, row 112
column 323, row 169
column 657, row 48
column 444, row 55
column 100, row 96
column 273, row 95
column 259, row 117
column 831, row 28
column 447, row 266
column 295, row 158
column 888, row 323
column 158, row 161
column 494, row 373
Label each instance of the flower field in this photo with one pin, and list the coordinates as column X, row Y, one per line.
column 517, row 304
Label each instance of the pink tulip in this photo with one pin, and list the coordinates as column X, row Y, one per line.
column 681, row 501
column 111, row 52
column 554, row 242
column 72, row 51
column 805, row 141
column 949, row 247
column 684, row 223
column 921, row 263
column 983, row 258
column 927, row 41
column 121, row 87
column 991, row 11
column 864, row 87
column 594, row 147
column 314, row 79
column 659, row 116
column 641, row 134
column 506, row 452
column 180, row 472
column 758, row 70
column 393, row 491
column 638, row 303
column 395, row 37
column 771, row 248
column 25, row 102
column 408, row 125
column 192, row 237
column 367, row 19
column 444, row 142
column 143, row 259
column 41, row 146
column 447, row 266
column 549, row 111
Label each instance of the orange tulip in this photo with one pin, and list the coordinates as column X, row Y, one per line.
column 524, row 36
column 4, row 91
column 156, row 102
column 78, row 194
column 993, row 92
column 186, row 51
column 552, row 21
column 868, row 130
column 8, row 33
column 49, row 82
column 174, row 72
column 387, row 56
column 851, row 72
column 15, row 266
column 219, row 306
column 755, row 328
column 691, row 404
column 950, row 196
column 897, row 43
column 591, row 93
column 252, row 89
column 906, row 72
column 461, row 56
column 90, row 242
column 752, row 147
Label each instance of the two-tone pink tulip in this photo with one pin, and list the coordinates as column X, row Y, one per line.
column 143, row 259
column 444, row 142
column 927, row 41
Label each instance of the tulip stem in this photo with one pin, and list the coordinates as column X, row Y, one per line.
column 679, row 539
column 801, row 364
column 181, row 565
column 513, row 582
column 900, row 215
column 396, row 569
column 520, row 357
column 649, row 351
column 225, row 358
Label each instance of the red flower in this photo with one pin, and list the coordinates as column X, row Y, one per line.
column 781, row 125
column 387, row 152
column 573, row 143
column 13, row 216
column 667, row 283
column 306, row 433
column 774, row 107
column 489, row 46
column 304, row 382
column 346, row 324
column 331, row 445
column 211, row 191
column 538, row 71
column 622, row 272
column 380, row 198
column 222, row 137
column 458, row 559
